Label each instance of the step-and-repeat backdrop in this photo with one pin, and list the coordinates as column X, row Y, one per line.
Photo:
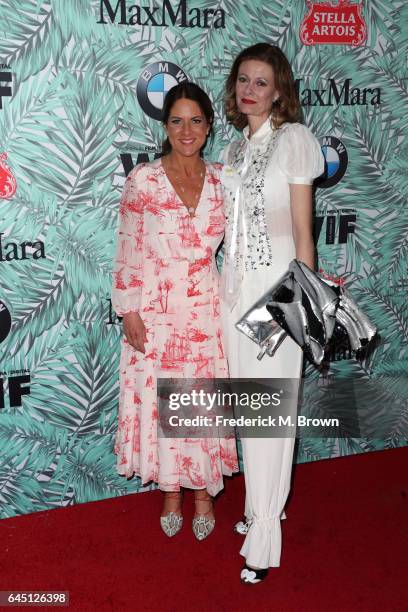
column 81, row 88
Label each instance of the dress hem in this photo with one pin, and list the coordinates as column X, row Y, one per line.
column 213, row 491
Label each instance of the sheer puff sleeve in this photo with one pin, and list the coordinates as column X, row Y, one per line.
column 300, row 156
column 128, row 265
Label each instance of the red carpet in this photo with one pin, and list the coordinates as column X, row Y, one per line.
column 345, row 548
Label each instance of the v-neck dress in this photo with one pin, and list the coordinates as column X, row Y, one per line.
column 165, row 270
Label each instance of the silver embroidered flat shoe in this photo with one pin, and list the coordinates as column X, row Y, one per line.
column 171, row 523
column 202, row 526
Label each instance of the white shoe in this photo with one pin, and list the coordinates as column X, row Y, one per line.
column 242, row 527
column 253, row 576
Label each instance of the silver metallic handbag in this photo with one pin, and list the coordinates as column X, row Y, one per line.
column 311, row 310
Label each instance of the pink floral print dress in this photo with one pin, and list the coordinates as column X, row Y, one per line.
column 165, row 270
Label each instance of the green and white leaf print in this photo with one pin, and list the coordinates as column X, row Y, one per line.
column 72, row 116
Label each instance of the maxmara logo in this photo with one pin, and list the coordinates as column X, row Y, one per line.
column 26, row 250
column 338, row 94
column 166, row 14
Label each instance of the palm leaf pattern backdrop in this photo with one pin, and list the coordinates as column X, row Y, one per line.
column 72, row 113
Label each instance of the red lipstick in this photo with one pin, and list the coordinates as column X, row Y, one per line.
column 247, row 101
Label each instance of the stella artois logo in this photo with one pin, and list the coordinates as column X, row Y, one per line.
column 8, row 184
column 333, row 23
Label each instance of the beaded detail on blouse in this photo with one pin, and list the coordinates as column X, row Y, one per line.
column 258, row 248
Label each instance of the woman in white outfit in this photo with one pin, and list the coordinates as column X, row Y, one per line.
column 268, row 177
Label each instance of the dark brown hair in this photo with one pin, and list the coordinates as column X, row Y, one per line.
column 287, row 107
column 190, row 91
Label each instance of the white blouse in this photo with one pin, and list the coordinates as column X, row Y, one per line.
column 256, row 178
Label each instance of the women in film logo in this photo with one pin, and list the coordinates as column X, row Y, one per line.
column 329, row 24
column 6, row 78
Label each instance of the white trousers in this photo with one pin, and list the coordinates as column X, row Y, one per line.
column 267, row 469
column 267, row 461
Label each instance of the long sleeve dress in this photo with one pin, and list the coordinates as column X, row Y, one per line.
column 165, row 270
column 263, row 167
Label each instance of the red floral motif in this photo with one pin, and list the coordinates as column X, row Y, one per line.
column 187, row 233
column 216, row 225
column 197, row 335
column 216, row 307
column 136, row 434
column 152, row 355
column 213, row 180
column 204, row 366
column 150, row 252
column 229, row 458
column 161, row 265
column 164, row 288
column 119, row 284
column 178, row 301
column 192, row 288
column 171, row 203
column 149, row 382
column 135, row 282
column 218, row 204
column 199, row 304
column 201, row 263
column 177, row 352
column 193, row 471
column 133, row 205
column 220, row 346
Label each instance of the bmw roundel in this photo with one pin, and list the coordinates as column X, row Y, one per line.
column 335, row 155
column 153, row 84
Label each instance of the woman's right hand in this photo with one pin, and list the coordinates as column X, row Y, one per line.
column 135, row 330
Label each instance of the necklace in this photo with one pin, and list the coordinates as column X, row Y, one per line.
column 195, row 187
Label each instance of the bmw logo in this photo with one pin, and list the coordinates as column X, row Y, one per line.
column 153, row 84
column 5, row 321
column 336, row 157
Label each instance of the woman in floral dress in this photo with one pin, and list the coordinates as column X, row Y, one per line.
column 166, row 287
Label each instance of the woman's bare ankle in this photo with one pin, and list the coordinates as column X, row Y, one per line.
column 172, row 502
column 204, row 504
